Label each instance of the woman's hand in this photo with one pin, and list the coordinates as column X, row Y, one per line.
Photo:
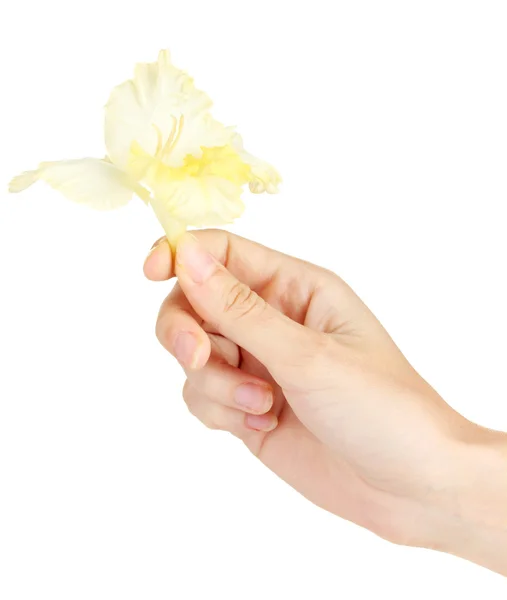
column 285, row 356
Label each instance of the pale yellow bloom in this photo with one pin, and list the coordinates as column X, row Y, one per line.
column 164, row 146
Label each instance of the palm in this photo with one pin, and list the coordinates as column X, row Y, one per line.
column 291, row 450
column 299, row 458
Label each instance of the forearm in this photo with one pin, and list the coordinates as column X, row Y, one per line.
column 470, row 518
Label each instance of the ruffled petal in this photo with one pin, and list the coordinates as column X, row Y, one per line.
column 265, row 178
column 200, row 201
column 163, row 112
column 91, row 181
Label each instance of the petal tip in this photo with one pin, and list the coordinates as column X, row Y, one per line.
column 23, row 181
column 164, row 57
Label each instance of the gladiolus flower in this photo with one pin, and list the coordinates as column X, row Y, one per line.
column 164, row 146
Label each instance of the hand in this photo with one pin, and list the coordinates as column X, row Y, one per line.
column 285, row 356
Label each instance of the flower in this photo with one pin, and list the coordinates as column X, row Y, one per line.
column 164, row 146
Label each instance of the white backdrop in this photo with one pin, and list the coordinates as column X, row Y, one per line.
column 388, row 122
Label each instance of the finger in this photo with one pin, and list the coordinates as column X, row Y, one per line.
column 231, row 387
column 237, row 312
column 177, row 316
column 158, row 265
column 250, row 262
column 217, row 416
column 223, row 348
column 180, row 332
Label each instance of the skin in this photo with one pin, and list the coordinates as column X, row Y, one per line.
column 283, row 354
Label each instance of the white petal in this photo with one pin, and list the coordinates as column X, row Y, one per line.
column 173, row 228
column 202, row 131
column 23, row 181
column 265, row 177
column 201, row 202
column 147, row 108
column 91, row 181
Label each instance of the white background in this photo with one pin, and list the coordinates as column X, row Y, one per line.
column 388, row 122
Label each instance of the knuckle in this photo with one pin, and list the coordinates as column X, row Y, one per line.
column 328, row 278
column 200, row 408
column 329, row 275
column 206, row 420
column 325, row 348
column 321, row 353
column 162, row 331
column 240, row 300
column 164, row 324
column 190, row 398
column 214, row 417
column 186, row 390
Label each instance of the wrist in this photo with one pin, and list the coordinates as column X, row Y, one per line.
column 467, row 514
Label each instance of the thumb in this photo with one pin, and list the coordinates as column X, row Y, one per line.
column 238, row 313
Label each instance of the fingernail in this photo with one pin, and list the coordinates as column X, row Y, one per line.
column 254, row 397
column 185, row 349
column 158, row 242
column 158, row 263
column 155, row 247
column 261, row 422
column 197, row 263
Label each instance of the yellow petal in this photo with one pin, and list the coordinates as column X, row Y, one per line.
column 265, row 178
column 91, row 181
column 139, row 163
column 161, row 110
column 223, row 162
column 200, row 201
column 172, row 227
